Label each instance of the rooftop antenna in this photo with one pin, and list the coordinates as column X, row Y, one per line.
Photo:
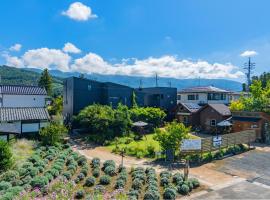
column 156, row 80
column 249, row 67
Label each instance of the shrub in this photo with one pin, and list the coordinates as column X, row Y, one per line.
column 90, row 181
column 166, row 174
column 189, row 184
column 177, row 178
column 133, row 194
column 105, row 180
column 195, row 182
column 27, row 165
column 119, row 184
column 5, row 156
column 109, row 170
column 151, row 195
column 12, row 192
column 40, row 181
column 82, row 160
column 55, row 172
column 80, row 194
column 84, row 171
column 95, row 162
column 96, row 172
column 169, row 193
column 108, row 163
column 81, row 176
column 49, row 176
column 10, row 176
column 53, row 133
column 183, row 189
column 4, row 185
column 164, row 181
column 137, row 184
column 33, row 171
column 26, row 180
column 67, row 175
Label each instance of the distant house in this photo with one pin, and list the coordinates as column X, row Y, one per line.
column 259, row 121
column 161, row 97
column 188, row 114
column 23, row 108
column 207, row 95
column 212, row 114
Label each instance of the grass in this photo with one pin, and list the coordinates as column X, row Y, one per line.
column 22, row 149
column 145, row 147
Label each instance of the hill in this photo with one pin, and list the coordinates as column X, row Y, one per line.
column 17, row 76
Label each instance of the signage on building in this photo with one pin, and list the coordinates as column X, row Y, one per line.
column 191, row 144
column 217, row 141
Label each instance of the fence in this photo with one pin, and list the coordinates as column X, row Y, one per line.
column 214, row 143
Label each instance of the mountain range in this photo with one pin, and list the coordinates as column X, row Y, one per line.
column 30, row 76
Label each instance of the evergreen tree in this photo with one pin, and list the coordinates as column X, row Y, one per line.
column 45, row 81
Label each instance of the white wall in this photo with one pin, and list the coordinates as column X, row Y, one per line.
column 23, row 100
column 202, row 99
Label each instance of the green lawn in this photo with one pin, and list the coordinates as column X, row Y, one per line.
column 146, row 147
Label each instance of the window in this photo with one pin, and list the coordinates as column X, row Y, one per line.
column 193, row 97
column 216, row 96
column 89, row 87
column 185, row 120
column 213, row 122
column 179, row 97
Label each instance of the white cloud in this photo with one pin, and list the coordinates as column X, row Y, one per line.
column 166, row 66
column 15, row 47
column 47, row 58
column 79, row 11
column 248, row 53
column 71, row 48
column 13, row 61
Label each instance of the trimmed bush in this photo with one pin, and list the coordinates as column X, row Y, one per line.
column 183, row 189
column 4, row 185
column 164, row 181
column 96, row 172
column 26, row 180
column 108, row 163
column 178, row 179
column 166, row 174
column 67, row 175
column 109, row 170
column 10, row 176
column 90, row 181
column 95, row 162
column 194, row 182
column 80, row 194
column 40, row 181
column 120, row 184
column 84, row 171
column 137, row 184
column 169, row 193
column 82, row 160
column 105, row 180
column 151, row 195
column 81, row 176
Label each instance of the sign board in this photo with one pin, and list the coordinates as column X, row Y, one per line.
column 191, row 144
column 217, row 141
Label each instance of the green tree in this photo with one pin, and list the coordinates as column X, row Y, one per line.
column 5, row 156
column 53, row 133
column 56, row 107
column 172, row 135
column 150, row 115
column 45, row 81
column 134, row 102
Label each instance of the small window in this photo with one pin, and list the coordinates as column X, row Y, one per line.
column 179, row 97
column 89, row 87
column 213, row 122
column 191, row 97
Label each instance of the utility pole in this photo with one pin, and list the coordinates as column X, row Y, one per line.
column 156, row 80
column 140, row 83
column 249, row 67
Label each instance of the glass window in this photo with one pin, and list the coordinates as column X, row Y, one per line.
column 191, row 97
column 179, row 97
column 213, row 122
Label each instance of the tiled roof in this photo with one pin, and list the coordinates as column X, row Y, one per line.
column 192, row 107
column 17, row 114
column 204, row 89
column 221, row 108
column 23, row 90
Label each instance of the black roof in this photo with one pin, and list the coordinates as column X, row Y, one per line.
column 22, row 90
column 17, row 114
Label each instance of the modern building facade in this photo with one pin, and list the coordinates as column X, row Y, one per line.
column 206, row 95
column 23, row 107
column 80, row 92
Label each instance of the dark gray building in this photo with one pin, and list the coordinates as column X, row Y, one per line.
column 81, row 92
column 161, row 97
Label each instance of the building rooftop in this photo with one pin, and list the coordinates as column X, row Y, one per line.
column 192, row 107
column 203, row 89
column 22, row 90
column 221, row 108
column 17, row 114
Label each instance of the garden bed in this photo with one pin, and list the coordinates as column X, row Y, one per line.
column 60, row 173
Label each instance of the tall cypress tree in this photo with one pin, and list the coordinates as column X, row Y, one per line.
column 45, row 81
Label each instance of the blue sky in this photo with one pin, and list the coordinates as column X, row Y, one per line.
column 174, row 38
